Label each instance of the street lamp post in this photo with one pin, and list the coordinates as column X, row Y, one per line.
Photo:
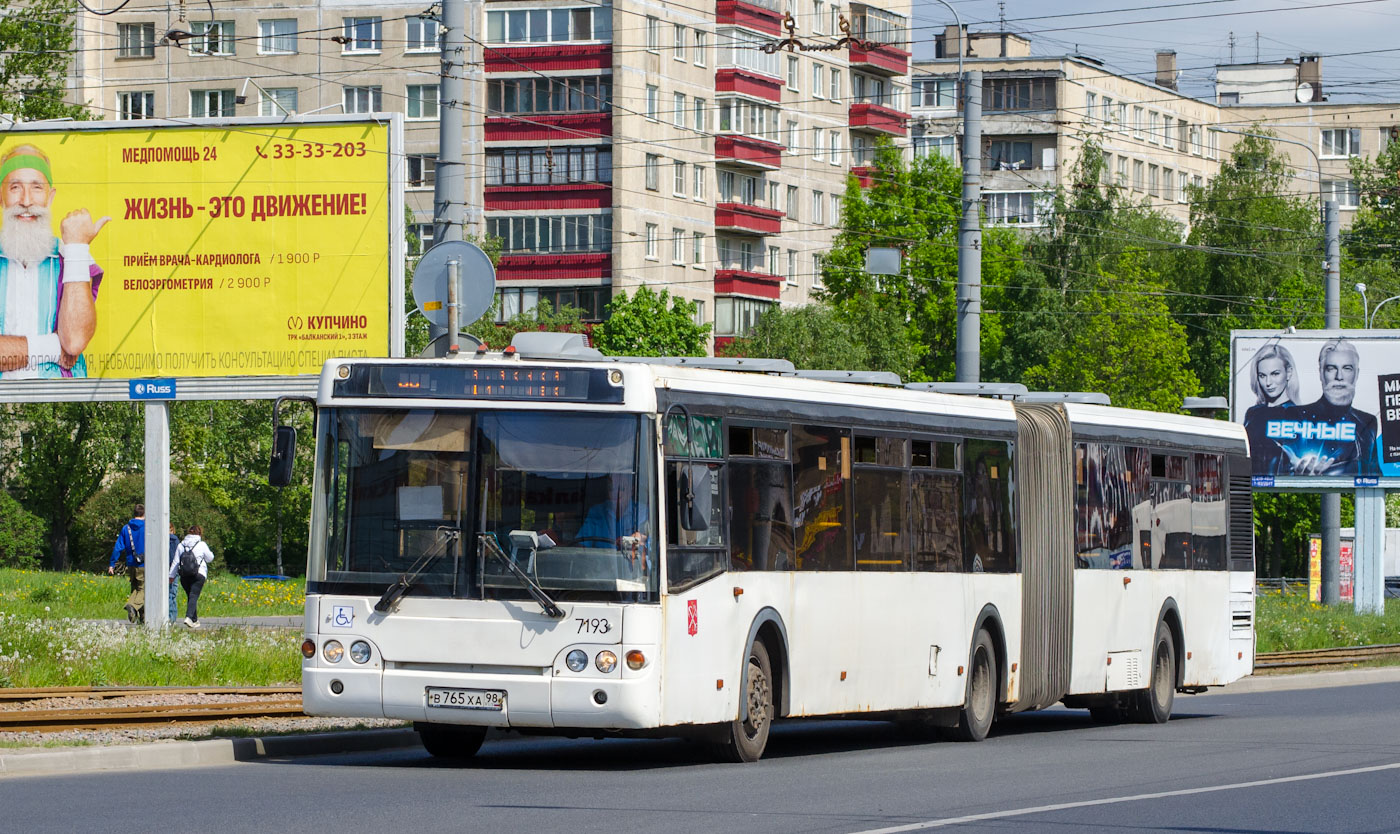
column 1368, row 316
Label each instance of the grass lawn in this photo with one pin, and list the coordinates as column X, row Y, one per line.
column 1285, row 623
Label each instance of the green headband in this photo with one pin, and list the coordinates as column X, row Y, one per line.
column 26, row 160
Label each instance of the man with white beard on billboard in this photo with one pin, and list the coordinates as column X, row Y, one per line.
column 1330, row 436
column 48, row 286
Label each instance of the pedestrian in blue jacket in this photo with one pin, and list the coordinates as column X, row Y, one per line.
column 130, row 548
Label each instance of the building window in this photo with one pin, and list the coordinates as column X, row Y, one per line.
column 792, row 267
column 792, row 72
column 139, row 104
column 818, row 143
column 699, row 182
column 552, row 234
column 548, row 166
column 700, row 312
column 936, row 92
column 422, row 35
column 212, row 37
column 748, row 117
column 740, row 48
column 878, row 25
column 792, row 203
column 1168, row 184
column 679, row 53
column 835, row 155
column 653, row 172
column 1183, row 192
column 363, row 34
column 869, row 90
column 1021, row 208
column 1167, row 131
column 1123, row 171
column 818, row 264
column 278, row 101
column 1137, row 122
column 136, row 40
column 697, row 249
column 420, row 238
column 422, row 101
column 818, row 207
column 819, row 17
column 1091, row 105
column 737, row 316
column 211, row 103
column 773, row 190
column 818, row 79
column 790, row 138
column 774, row 253
column 652, row 95
column 739, row 188
column 1008, row 155
column 362, row 99
column 1139, row 183
column 737, row 254
column 836, row 209
column 1153, row 126
column 1003, row 94
column 277, row 37
column 576, row 94
column 1229, row 99
column 835, row 92
column 679, row 117
column 651, row 242
column 678, row 181
column 1343, row 191
column 1153, row 186
column 513, row 301
column 678, row 247
column 699, row 109
column 944, row 146
column 422, row 171
column 699, row 48
column 653, row 34
column 1341, row 142
column 548, row 25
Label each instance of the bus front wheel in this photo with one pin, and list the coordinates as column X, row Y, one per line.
column 1154, row 704
column 744, row 739
column 450, row 741
column 980, row 703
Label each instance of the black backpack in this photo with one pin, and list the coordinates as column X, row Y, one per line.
column 188, row 564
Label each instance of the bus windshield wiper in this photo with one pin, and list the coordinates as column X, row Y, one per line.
column 493, row 547
column 394, row 592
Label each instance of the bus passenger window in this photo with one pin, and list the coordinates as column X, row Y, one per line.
column 989, row 536
column 760, row 521
column 1209, row 523
column 880, row 500
column 820, row 517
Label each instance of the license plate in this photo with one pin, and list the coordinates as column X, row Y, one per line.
column 493, row 700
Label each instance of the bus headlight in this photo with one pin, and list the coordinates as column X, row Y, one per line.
column 636, row 660
column 359, row 651
column 576, row 660
column 333, row 651
column 606, row 661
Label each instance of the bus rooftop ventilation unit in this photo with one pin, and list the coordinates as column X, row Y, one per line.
column 715, row 363
column 1003, row 390
column 1084, row 397
column 543, row 345
column 862, row 377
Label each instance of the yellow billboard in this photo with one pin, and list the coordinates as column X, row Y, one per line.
column 172, row 250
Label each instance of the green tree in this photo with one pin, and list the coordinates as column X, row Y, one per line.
column 36, row 45
column 97, row 523
column 1253, row 262
column 566, row 319
column 650, row 324
column 22, row 535
column 1124, row 343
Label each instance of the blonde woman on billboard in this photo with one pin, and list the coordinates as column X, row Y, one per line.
column 48, row 285
column 1274, row 380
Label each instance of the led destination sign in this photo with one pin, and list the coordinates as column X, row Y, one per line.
column 523, row 383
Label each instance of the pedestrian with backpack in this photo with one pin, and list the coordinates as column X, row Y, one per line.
column 191, row 566
column 130, row 550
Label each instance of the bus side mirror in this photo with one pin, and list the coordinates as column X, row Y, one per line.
column 284, row 453
column 695, row 497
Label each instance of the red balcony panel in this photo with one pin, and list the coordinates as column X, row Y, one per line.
column 748, row 152
column 878, row 118
column 588, row 195
column 722, row 342
column 864, row 173
column 563, row 56
column 742, row 282
column 737, row 217
column 738, row 13
column 881, row 59
column 554, row 127
column 574, row 266
column 732, row 80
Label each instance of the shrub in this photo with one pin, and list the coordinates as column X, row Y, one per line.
column 97, row 524
column 21, row 535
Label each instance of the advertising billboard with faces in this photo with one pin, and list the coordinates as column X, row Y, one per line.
column 1319, row 405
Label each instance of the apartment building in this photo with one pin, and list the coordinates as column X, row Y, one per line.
column 1038, row 112
column 1319, row 137
column 609, row 145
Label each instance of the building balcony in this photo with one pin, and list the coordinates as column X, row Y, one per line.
column 548, row 126
column 878, row 118
column 745, row 219
column 880, row 59
column 760, row 15
column 564, row 266
column 572, row 195
column 749, row 83
column 549, row 57
column 865, row 174
column 748, row 152
column 749, row 283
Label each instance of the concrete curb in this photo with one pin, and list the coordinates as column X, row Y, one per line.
column 1312, row 680
column 157, row 755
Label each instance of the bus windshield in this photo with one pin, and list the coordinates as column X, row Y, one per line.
column 567, row 496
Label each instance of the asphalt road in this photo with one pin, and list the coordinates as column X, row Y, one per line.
column 1318, row 760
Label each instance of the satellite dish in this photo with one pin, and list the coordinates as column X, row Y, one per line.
column 1305, row 92
column 476, row 282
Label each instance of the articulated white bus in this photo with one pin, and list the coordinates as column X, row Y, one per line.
column 594, row 547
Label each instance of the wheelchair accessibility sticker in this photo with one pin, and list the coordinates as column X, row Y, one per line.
column 342, row 616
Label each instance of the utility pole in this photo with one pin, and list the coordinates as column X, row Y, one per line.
column 1331, row 520
column 968, row 354
column 450, row 188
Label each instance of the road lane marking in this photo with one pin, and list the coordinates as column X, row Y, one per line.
column 1114, row 800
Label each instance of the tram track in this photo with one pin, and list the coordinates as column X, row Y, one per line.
column 55, row 709
column 1343, row 656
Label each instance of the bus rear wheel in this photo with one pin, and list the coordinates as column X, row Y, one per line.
column 980, row 703
column 744, row 739
column 1154, row 704
column 450, row 741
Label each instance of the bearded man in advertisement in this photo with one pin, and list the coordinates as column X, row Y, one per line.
column 48, row 285
column 1330, row 436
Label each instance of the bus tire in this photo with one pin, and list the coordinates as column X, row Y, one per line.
column 743, row 740
column 980, row 702
column 1154, row 704
column 450, row 741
